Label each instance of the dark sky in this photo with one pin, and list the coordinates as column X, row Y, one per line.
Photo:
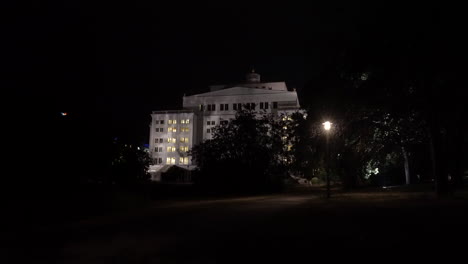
column 118, row 61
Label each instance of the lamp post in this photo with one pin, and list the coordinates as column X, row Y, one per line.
column 327, row 127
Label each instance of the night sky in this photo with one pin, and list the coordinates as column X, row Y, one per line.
column 113, row 63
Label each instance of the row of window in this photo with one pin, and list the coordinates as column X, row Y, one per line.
column 172, row 121
column 172, row 129
column 172, row 140
column 182, row 160
column 171, row 149
column 237, row 106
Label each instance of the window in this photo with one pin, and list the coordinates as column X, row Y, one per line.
column 209, row 107
column 171, row 149
column 160, row 140
column 171, row 140
column 170, row 160
column 213, row 107
column 266, row 105
column 275, row 105
column 252, row 106
column 212, row 123
column 158, row 149
column 200, row 107
column 183, row 160
column 157, row 122
column 223, row 122
column 184, row 139
column 261, row 105
column 183, row 148
column 160, row 160
column 221, row 107
column 184, row 129
column 208, row 130
column 239, row 106
column 182, row 121
column 169, row 122
column 226, row 107
column 162, row 122
column 234, row 106
column 208, row 123
column 159, row 129
column 187, row 121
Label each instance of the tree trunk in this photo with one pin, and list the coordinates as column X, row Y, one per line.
column 437, row 157
column 406, row 163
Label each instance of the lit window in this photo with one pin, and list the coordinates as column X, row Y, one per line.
column 182, row 121
column 187, row 121
column 183, row 148
column 170, row 160
column 174, row 122
column 171, row 140
column 289, row 147
column 169, row 122
column 285, row 127
column 171, row 149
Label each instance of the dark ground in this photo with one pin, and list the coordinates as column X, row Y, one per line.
column 298, row 225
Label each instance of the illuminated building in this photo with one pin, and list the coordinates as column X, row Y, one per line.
column 174, row 132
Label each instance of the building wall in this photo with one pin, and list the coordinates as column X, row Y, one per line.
column 176, row 137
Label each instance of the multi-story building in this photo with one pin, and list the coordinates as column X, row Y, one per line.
column 174, row 132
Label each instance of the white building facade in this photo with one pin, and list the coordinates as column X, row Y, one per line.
column 173, row 133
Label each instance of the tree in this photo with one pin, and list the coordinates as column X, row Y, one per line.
column 129, row 164
column 245, row 154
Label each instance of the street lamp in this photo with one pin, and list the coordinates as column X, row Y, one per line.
column 327, row 126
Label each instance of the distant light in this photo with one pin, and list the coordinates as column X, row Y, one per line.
column 64, row 113
column 327, row 125
column 138, row 148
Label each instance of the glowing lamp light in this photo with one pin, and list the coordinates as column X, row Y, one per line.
column 327, row 125
column 64, row 113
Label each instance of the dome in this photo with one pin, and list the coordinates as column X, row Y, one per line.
column 253, row 77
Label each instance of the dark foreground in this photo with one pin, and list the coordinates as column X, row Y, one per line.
column 281, row 228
